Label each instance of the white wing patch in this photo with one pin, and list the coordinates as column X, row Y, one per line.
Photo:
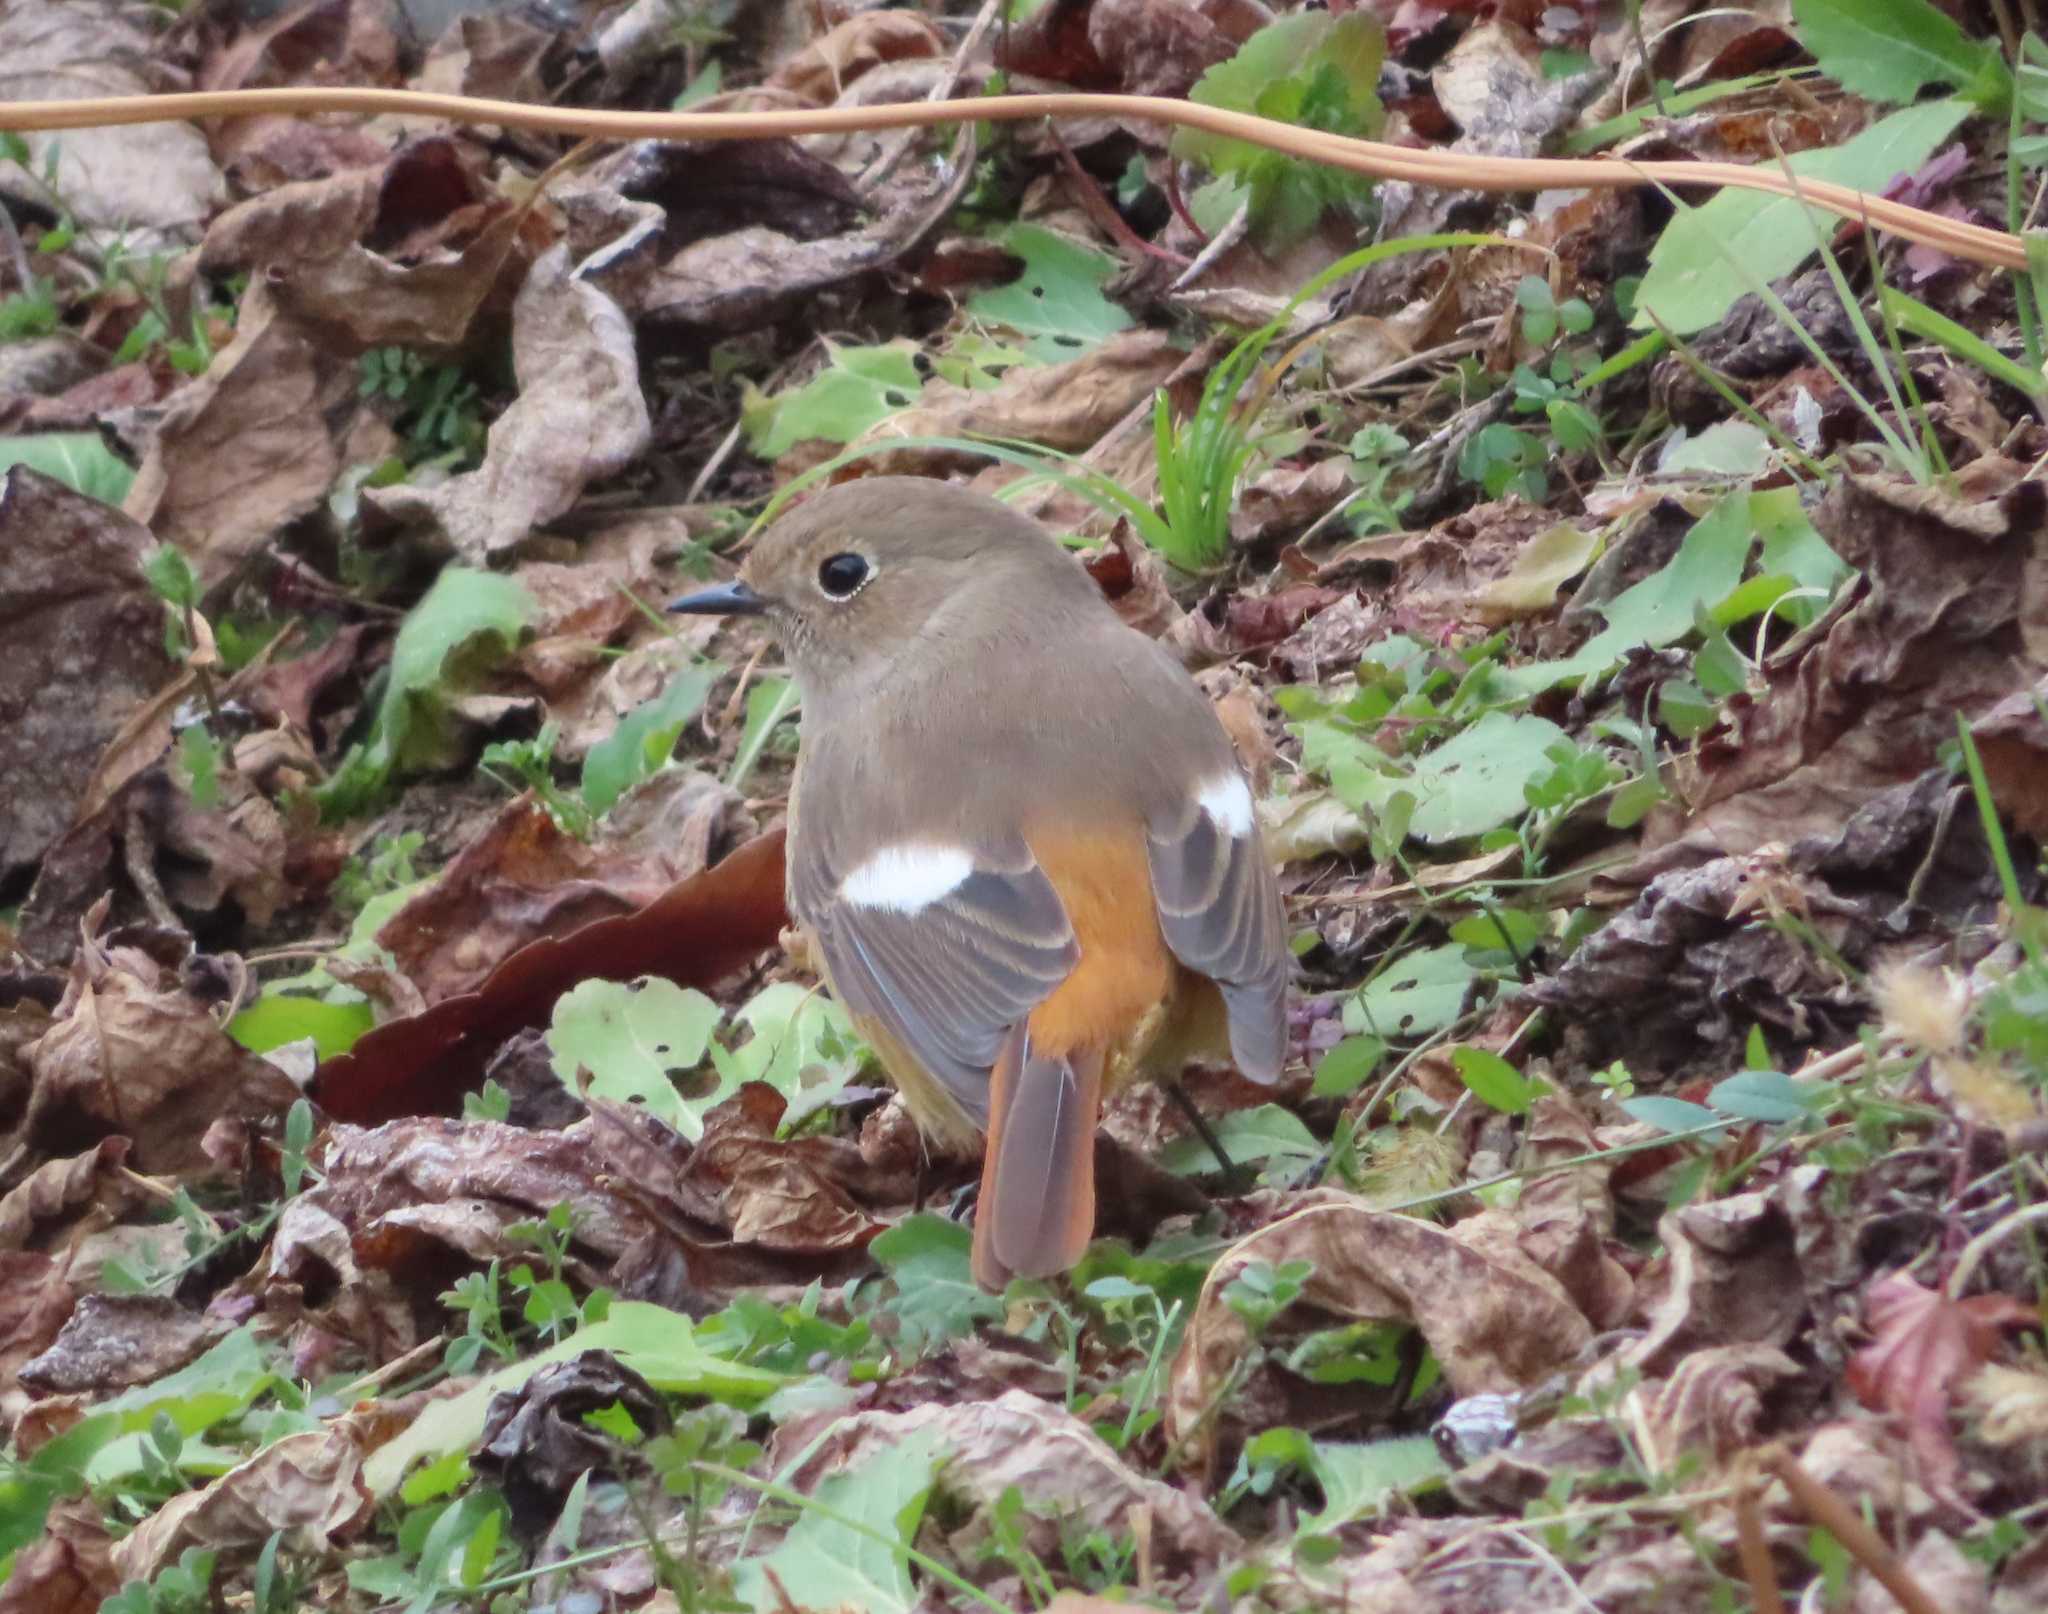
column 910, row 878
column 1227, row 799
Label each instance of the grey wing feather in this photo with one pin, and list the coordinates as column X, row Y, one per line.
column 950, row 980
column 1220, row 912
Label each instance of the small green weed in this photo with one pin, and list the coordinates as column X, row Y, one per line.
column 437, row 408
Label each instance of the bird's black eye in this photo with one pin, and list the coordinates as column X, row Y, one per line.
column 841, row 576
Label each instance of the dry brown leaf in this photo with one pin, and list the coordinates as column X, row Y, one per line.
column 523, row 879
column 59, row 1191
column 111, row 1342
column 411, row 255
column 132, row 1054
column 1712, row 1404
column 1948, row 619
column 154, row 183
column 1281, row 501
column 783, row 1194
column 747, row 276
column 579, row 416
column 36, row 1296
column 308, row 1485
column 1066, row 406
column 247, row 447
column 1160, row 47
column 1494, row 1319
column 1068, row 1475
column 70, row 1570
column 535, row 1443
column 824, row 68
column 1732, row 1278
column 84, row 643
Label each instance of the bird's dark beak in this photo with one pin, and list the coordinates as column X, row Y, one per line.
column 728, row 599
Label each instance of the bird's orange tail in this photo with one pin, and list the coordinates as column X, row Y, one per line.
column 1037, row 1207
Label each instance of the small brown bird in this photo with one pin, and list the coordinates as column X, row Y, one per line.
column 1019, row 838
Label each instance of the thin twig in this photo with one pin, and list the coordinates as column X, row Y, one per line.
column 1846, row 1525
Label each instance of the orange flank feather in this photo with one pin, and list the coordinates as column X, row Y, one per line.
column 1125, row 973
column 1037, row 1205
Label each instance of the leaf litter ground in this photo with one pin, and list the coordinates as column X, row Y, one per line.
column 429, row 1183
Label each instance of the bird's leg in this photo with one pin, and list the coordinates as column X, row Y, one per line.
column 1203, row 1130
column 963, row 1202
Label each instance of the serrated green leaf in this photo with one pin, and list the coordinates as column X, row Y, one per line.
column 937, row 1299
column 858, row 389
column 826, row 1563
column 1358, row 1479
column 1891, row 50
column 467, row 619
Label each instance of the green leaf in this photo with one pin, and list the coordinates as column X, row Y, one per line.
column 1697, row 268
column 1414, row 996
column 1501, row 930
column 658, row 1344
column 1891, row 50
column 1726, row 448
column 826, row 1563
column 170, row 574
column 1662, row 607
column 632, row 1038
column 1493, row 1081
column 466, row 619
column 1762, row 1095
column 936, row 1296
column 641, row 745
column 1358, row 1479
column 1791, row 546
column 1261, row 1134
column 793, row 1029
column 1057, row 303
column 768, row 703
column 1473, row 781
column 1671, row 1115
column 1345, row 1068
column 77, row 459
column 859, row 388
column 1311, row 70
column 277, row 1018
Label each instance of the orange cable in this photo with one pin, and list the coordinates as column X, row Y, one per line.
column 1975, row 242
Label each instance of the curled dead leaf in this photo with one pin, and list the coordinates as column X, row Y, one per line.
column 308, row 1485
column 580, row 415
column 1495, row 1320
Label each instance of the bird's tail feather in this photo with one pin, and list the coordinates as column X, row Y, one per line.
column 1037, row 1205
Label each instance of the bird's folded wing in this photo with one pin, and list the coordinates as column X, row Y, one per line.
column 947, row 947
column 1220, row 912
